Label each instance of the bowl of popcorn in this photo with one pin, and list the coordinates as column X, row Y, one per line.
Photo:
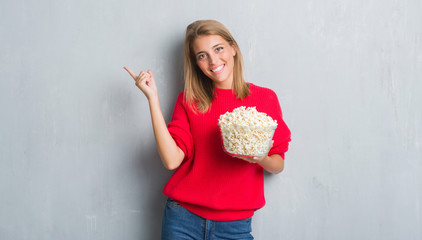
column 246, row 132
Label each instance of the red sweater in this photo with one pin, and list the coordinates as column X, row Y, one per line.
column 209, row 182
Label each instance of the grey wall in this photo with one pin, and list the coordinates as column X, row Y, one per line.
column 78, row 159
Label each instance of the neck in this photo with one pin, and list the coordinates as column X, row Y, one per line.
column 228, row 84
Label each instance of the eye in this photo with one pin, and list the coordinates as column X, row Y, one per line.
column 201, row 56
column 219, row 49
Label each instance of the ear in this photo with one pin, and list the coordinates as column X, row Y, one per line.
column 234, row 50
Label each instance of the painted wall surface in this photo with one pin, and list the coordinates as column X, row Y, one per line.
column 77, row 151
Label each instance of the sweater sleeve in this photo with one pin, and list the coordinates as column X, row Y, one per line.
column 179, row 128
column 282, row 133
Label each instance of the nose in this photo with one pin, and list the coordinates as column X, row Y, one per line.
column 212, row 59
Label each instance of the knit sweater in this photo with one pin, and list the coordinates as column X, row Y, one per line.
column 209, row 182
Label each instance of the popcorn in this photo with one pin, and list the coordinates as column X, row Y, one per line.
column 246, row 132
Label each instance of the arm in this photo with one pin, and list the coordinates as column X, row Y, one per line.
column 273, row 164
column 171, row 155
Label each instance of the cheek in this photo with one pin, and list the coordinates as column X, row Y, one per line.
column 202, row 66
column 229, row 58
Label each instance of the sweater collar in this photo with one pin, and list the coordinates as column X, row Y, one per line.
column 224, row 92
column 227, row 92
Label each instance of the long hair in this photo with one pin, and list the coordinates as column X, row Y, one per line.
column 199, row 89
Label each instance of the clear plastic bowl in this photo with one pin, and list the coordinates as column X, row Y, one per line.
column 260, row 137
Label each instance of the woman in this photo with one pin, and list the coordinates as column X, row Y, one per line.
column 211, row 193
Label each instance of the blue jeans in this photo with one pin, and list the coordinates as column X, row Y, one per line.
column 179, row 223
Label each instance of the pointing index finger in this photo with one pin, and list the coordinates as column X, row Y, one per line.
column 130, row 72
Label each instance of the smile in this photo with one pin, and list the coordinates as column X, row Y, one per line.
column 218, row 69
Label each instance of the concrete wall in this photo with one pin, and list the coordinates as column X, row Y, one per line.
column 77, row 155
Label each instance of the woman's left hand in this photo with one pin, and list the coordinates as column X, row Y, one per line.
column 273, row 164
column 256, row 159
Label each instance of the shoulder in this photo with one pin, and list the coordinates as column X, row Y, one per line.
column 180, row 101
column 183, row 102
column 181, row 98
column 261, row 91
column 181, row 95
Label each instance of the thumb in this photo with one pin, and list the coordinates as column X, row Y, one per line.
column 150, row 73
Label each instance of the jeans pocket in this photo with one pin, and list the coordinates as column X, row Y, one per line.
column 238, row 229
column 248, row 220
column 173, row 204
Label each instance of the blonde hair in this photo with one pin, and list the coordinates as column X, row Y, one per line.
column 199, row 89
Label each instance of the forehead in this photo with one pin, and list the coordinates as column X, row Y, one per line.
column 207, row 42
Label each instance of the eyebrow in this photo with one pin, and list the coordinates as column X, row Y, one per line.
column 216, row 45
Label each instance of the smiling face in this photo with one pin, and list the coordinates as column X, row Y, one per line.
column 215, row 57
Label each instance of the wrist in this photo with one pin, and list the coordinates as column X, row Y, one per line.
column 153, row 100
column 263, row 160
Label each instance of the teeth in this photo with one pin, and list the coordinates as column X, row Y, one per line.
column 218, row 69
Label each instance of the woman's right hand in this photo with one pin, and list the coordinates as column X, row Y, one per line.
column 171, row 155
column 146, row 82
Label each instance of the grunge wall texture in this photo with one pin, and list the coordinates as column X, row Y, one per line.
column 77, row 153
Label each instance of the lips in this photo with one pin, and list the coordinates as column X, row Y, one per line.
column 218, row 69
